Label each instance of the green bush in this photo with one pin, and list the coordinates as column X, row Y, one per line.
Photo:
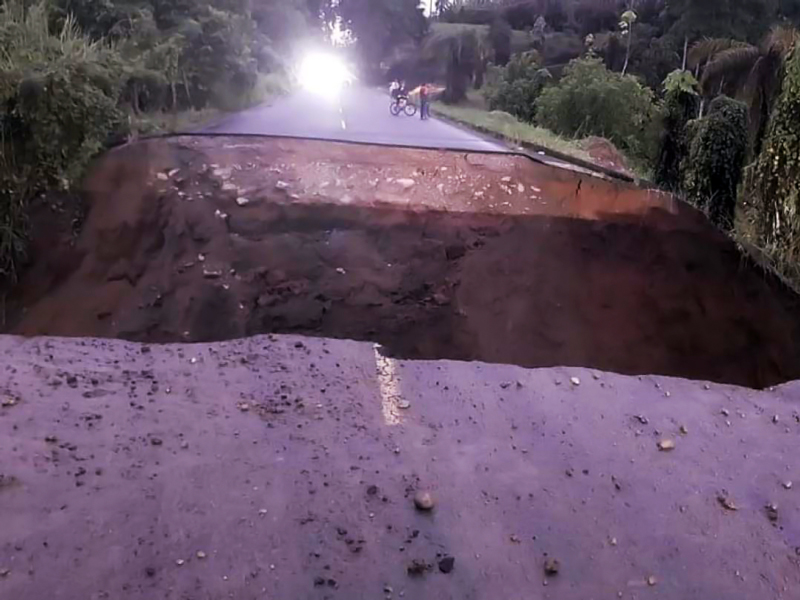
column 713, row 166
column 516, row 87
column 591, row 100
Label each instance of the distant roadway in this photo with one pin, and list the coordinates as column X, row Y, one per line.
column 358, row 114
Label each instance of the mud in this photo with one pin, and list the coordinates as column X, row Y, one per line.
column 431, row 254
column 285, row 468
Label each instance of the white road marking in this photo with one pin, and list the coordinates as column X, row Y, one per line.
column 389, row 387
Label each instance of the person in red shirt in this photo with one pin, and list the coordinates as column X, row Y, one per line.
column 424, row 102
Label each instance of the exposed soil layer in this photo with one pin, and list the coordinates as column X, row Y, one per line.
column 431, row 254
column 286, row 468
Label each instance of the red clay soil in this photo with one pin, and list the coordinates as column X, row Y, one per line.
column 432, row 254
column 284, row 469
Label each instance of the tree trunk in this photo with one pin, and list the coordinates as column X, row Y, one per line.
column 628, row 49
column 685, row 52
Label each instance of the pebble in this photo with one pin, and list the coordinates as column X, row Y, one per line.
column 447, row 564
column 666, row 445
column 574, row 381
column 726, row 502
column 787, row 485
column 725, row 412
column 651, row 580
column 417, row 568
column 406, row 183
column 772, row 512
column 424, row 501
column 200, row 554
column 775, row 418
column 552, row 566
column 180, row 562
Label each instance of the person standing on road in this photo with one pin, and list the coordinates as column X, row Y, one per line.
column 424, row 102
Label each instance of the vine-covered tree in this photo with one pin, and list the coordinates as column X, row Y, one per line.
column 713, row 166
column 774, row 180
column 681, row 102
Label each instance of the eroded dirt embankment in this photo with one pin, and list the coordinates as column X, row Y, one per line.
column 432, row 254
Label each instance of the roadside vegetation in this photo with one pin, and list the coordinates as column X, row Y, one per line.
column 79, row 75
column 702, row 97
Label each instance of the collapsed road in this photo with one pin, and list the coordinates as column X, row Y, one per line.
column 433, row 254
column 198, row 434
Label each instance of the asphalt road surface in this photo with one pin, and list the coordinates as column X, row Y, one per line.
column 358, row 114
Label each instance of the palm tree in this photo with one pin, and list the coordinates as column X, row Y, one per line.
column 465, row 55
column 752, row 73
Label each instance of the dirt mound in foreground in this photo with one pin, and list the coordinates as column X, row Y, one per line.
column 432, row 254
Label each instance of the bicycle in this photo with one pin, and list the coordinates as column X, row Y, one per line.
column 402, row 105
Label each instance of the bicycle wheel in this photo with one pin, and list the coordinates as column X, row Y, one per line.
column 395, row 109
column 410, row 110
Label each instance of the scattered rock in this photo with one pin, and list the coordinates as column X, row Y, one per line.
column 242, row 201
column 642, row 419
column 684, row 430
column 51, row 439
column 424, row 501
column 772, row 512
column 319, row 581
column 787, row 485
column 282, row 185
column 180, row 562
column 552, row 566
column 184, row 444
column 666, row 445
column 150, row 572
column 651, row 581
column 201, row 555
column 406, row 184
column 156, row 441
column 72, row 381
column 243, row 406
column 8, row 401
column 418, row 568
column 403, row 404
column 447, row 564
column 726, row 502
column 574, row 381
column 372, row 490
column 212, row 273
column 161, row 176
column 340, row 271
column 775, row 418
column 520, row 188
column 5, row 572
column 725, row 412
column 612, row 541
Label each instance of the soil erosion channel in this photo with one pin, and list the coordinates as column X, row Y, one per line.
column 431, row 254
